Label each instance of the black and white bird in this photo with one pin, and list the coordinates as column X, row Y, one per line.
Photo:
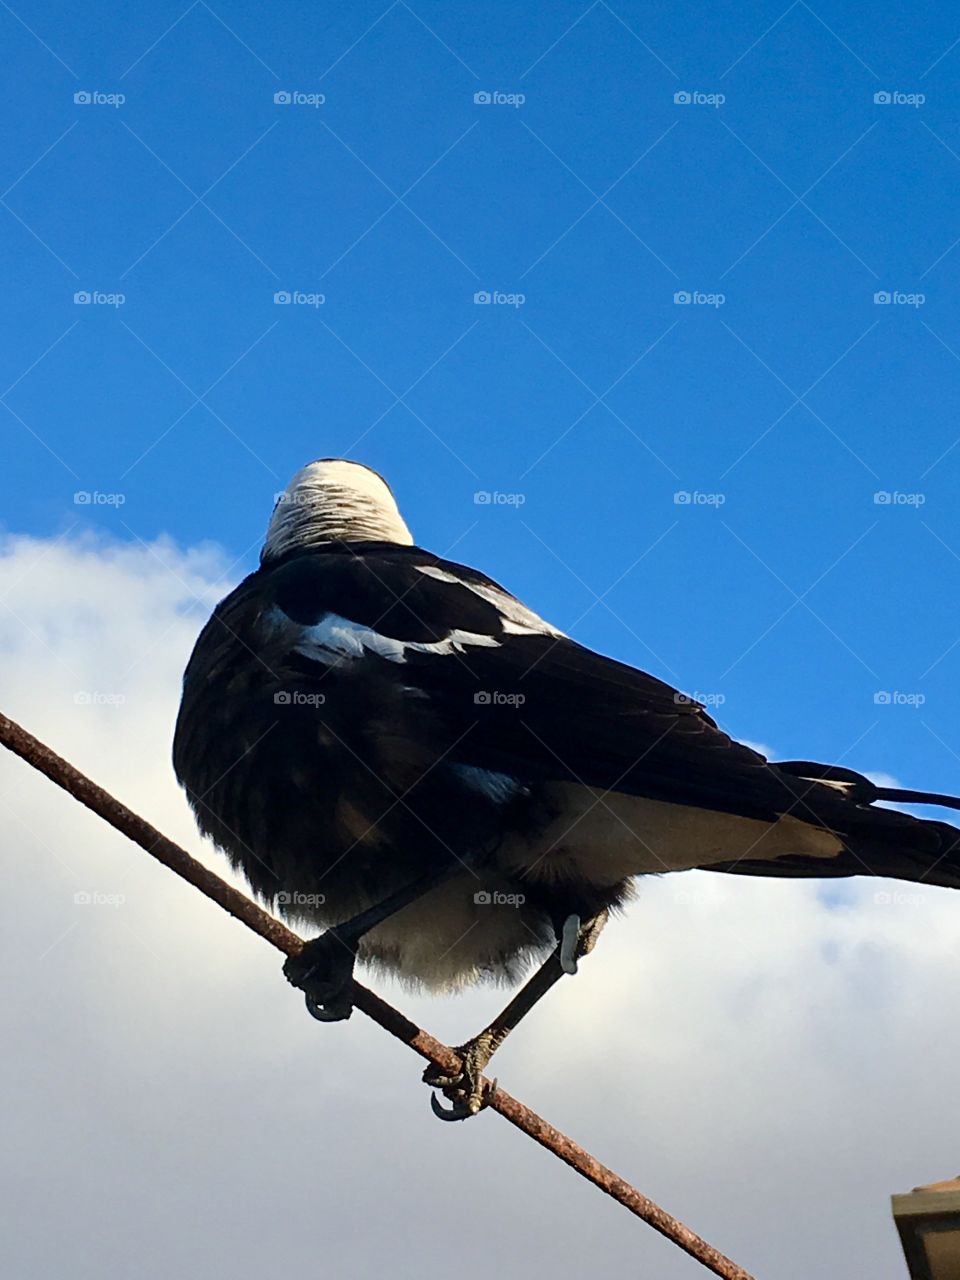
column 393, row 747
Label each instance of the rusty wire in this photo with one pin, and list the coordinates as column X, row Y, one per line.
column 137, row 829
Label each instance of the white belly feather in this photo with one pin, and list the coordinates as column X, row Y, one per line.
column 605, row 837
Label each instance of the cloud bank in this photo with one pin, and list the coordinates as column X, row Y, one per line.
column 768, row 1060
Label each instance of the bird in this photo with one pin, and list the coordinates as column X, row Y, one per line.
column 392, row 747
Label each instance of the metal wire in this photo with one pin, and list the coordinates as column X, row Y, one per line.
column 60, row 771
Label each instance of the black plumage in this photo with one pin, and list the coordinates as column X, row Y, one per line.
column 360, row 716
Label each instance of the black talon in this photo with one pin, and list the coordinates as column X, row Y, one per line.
column 325, row 1013
column 463, row 1089
column 457, row 1111
column 323, row 970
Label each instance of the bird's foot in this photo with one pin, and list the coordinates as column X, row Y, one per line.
column 466, row 1090
column 323, row 970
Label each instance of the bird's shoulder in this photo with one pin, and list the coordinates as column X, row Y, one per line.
column 459, row 638
column 406, row 593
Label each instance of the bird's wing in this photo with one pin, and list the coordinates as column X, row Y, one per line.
column 514, row 696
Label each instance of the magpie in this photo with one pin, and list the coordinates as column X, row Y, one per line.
column 392, row 746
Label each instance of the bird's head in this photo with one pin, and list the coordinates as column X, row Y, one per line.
column 333, row 500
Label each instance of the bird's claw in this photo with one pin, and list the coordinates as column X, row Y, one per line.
column 462, row 1108
column 323, row 970
column 329, row 1011
column 465, row 1090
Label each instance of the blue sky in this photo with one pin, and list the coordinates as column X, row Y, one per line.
column 783, row 590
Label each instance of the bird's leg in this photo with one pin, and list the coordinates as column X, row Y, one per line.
column 465, row 1090
column 323, row 967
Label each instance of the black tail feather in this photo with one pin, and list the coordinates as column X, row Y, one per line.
column 861, row 789
column 901, row 796
column 878, row 841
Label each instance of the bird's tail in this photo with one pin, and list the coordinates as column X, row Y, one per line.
column 899, row 795
column 877, row 841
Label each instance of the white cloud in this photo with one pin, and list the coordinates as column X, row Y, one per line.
column 752, row 1056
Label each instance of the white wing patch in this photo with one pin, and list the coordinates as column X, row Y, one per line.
column 515, row 618
column 334, row 637
column 441, row 575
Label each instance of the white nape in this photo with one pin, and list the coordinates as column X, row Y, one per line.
column 334, row 501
